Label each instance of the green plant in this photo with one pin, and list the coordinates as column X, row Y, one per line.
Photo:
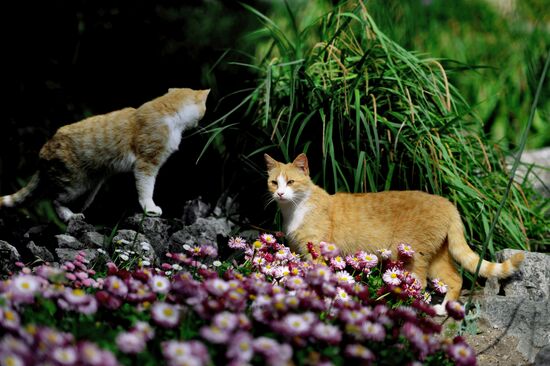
column 373, row 116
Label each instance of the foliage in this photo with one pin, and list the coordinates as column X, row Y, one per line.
column 503, row 47
column 373, row 116
column 269, row 308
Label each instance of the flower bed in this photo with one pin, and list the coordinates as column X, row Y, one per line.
column 264, row 305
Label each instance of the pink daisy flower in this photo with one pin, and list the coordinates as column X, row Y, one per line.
column 392, row 276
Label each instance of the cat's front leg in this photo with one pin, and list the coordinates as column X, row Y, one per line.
column 145, row 184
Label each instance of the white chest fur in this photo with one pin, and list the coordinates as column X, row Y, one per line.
column 185, row 118
column 293, row 215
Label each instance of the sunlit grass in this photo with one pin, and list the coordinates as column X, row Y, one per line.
column 373, row 116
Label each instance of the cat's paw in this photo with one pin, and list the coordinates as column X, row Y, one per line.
column 153, row 211
column 77, row 216
column 440, row 310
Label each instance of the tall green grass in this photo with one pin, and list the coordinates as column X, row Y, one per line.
column 499, row 43
column 373, row 116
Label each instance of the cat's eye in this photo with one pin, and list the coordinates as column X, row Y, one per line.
column 274, row 182
column 290, row 182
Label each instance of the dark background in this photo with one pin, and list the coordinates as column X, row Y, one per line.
column 66, row 60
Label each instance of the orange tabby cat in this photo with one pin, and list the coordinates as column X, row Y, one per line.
column 80, row 156
column 370, row 221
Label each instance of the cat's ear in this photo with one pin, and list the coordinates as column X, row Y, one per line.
column 270, row 162
column 301, row 163
column 204, row 94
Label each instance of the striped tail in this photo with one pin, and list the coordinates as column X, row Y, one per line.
column 21, row 195
column 462, row 253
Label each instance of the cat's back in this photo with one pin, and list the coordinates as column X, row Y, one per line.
column 112, row 120
column 389, row 206
column 97, row 137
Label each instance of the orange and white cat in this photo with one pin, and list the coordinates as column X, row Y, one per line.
column 80, row 156
column 370, row 221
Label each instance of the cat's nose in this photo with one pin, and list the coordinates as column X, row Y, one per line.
column 281, row 194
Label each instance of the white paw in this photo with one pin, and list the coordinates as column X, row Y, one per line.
column 66, row 215
column 440, row 310
column 77, row 216
column 153, row 210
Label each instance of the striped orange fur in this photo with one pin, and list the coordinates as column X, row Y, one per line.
column 369, row 221
column 80, row 156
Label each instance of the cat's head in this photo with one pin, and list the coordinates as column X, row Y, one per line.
column 288, row 182
column 194, row 102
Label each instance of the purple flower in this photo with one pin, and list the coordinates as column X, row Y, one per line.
column 328, row 250
column 115, row 286
column 343, row 278
column 417, row 338
column 355, row 262
column 392, row 276
column 338, row 263
column 352, row 316
column 296, row 324
column 240, row 347
column 237, row 243
column 159, row 284
column 226, row 321
column 405, row 251
column 462, row 354
column 130, row 342
column 164, row 314
column 11, row 359
column 370, row 260
column 23, row 287
column 185, row 353
column 9, row 319
column 328, row 333
column 295, row 282
column 216, row 286
column 144, row 329
column 318, row 275
column 373, row 331
column 275, row 353
column 455, row 310
column 439, row 286
column 65, row 355
column 384, row 253
column 215, row 334
column 359, row 351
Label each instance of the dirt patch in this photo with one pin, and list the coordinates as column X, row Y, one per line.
column 494, row 347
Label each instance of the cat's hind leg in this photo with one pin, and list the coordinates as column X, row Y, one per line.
column 92, row 194
column 68, row 195
column 443, row 267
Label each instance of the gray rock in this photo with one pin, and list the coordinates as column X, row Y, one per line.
column 521, row 304
column 93, row 239
column 155, row 229
column 525, row 319
column 543, row 357
column 205, row 231
column 68, row 241
column 92, row 255
column 195, row 209
column 41, row 253
column 77, row 228
column 8, row 256
column 531, row 282
column 538, row 162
